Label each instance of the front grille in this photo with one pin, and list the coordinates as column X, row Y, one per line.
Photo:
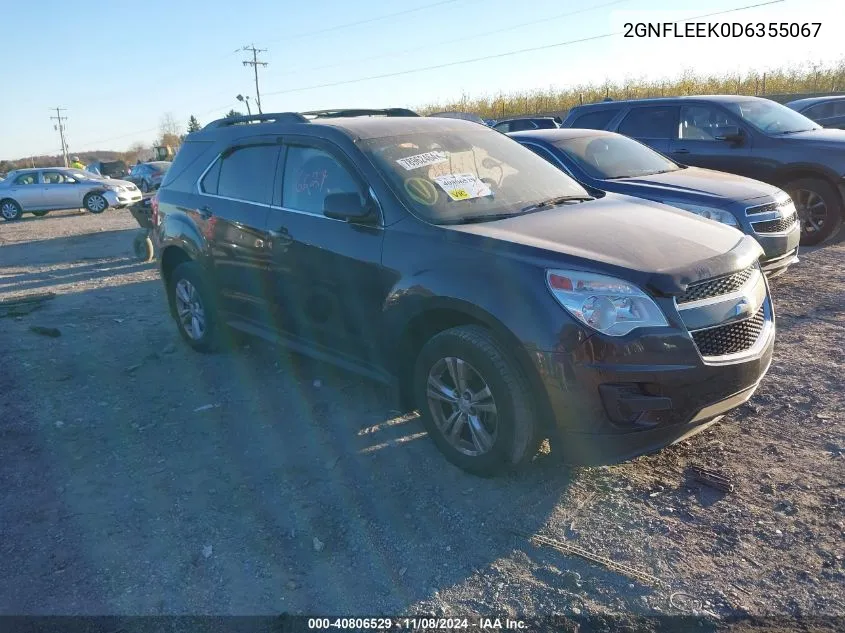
column 731, row 338
column 774, row 226
column 771, row 206
column 716, row 287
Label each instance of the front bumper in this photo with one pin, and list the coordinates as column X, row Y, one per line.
column 613, row 399
column 781, row 250
column 128, row 198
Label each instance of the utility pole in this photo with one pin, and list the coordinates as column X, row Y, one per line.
column 255, row 64
column 60, row 127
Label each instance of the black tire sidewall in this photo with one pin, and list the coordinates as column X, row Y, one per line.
column 40, row 214
column 193, row 273
column 832, row 201
column 88, row 197
column 448, row 343
column 17, row 206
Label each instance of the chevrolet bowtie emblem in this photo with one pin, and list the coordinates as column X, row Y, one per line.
column 743, row 308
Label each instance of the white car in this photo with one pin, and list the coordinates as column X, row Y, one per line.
column 46, row 189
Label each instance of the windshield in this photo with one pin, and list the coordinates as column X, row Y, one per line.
column 771, row 117
column 467, row 175
column 82, row 175
column 609, row 157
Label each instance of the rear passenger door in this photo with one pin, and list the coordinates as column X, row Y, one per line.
column 328, row 279
column 237, row 191
column 653, row 125
column 27, row 192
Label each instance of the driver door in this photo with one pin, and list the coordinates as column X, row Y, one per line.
column 696, row 142
column 60, row 191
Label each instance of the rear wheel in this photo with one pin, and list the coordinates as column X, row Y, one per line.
column 475, row 401
column 40, row 214
column 194, row 307
column 819, row 208
column 95, row 202
column 10, row 210
column 142, row 246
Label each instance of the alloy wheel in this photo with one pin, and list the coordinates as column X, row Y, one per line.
column 9, row 211
column 96, row 203
column 462, row 406
column 812, row 210
column 189, row 309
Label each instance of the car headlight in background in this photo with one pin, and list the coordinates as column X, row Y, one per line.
column 611, row 306
column 116, row 188
column 710, row 213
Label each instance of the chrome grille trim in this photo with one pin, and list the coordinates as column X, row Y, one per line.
column 723, row 285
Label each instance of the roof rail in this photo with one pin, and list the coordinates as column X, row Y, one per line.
column 278, row 117
column 328, row 114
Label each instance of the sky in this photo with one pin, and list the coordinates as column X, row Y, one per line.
column 118, row 68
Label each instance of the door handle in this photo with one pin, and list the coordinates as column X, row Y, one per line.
column 280, row 235
column 681, row 151
column 205, row 212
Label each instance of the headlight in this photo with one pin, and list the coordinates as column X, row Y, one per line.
column 611, row 306
column 117, row 188
column 707, row 212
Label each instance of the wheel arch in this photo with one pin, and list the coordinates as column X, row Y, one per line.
column 797, row 171
column 437, row 315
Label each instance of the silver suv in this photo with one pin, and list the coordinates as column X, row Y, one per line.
column 41, row 190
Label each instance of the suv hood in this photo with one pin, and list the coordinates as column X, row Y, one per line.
column 648, row 243
column 695, row 185
column 825, row 137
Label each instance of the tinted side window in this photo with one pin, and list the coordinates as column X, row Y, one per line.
column 27, row 179
column 819, row 111
column 546, row 124
column 208, row 184
column 654, row 122
column 704, row 123
column 248, row 173
column 520, row 125
column 503, row 127
column 595, row 120
column 310, row 175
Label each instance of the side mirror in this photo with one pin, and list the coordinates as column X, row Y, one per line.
column 348, row 207
column 731, row 134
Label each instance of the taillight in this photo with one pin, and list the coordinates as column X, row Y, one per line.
column 154, row 206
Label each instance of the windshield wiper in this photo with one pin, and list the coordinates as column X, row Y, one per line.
column 553, row 202
column 476, row 219
column 796, row 131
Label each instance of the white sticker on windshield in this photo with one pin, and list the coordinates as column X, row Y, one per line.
column 422, row 160
column 463, row 186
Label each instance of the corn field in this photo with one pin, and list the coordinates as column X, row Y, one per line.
column 805, row 80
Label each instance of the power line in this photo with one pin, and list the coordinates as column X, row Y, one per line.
column 428, row 45
column 255, row 64
column 60, row 126
column 500, row 55
column 360, row 22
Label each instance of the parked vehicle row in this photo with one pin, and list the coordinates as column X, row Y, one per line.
column 826, row 111
column 506, row 301
column 747, row 136
column 611, row 162
column 147, row 176
column 40, row 191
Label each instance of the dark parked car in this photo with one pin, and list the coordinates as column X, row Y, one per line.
column 612, row 162
column 535, row 123
column 505, row 302
column 826, row 111
column 109, row 169
column 147, row 176
column 749, row 136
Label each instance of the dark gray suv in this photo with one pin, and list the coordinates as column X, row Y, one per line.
column 505, row 302
column 748, row 136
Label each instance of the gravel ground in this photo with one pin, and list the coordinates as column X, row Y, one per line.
column 139, row 477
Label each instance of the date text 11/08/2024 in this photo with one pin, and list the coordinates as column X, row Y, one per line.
column 418, row 624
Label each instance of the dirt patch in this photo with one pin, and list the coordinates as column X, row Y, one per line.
column 139, row 477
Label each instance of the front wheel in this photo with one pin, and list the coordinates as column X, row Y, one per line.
column 475, row 401
column 819, row 208
column 95, row 202
column 194, row 307
column 10, row 210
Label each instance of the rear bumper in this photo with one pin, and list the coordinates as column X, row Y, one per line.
column 613, row 400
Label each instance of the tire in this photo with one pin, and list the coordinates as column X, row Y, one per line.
column 10, row 210
column 187, row 276
column 513, row 439
column 810, row 193
column 40, row 214
column 142, row 246
column 95, row 202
